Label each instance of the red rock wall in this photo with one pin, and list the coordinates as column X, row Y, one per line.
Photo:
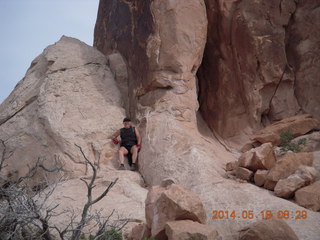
column 260, row 64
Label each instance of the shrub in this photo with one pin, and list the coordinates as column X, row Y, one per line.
column 287, row 145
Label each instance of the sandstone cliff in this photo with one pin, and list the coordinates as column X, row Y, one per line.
column 236, row 58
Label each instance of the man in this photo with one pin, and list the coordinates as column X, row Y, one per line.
column 130, row 143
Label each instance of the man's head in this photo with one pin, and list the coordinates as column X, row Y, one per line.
column 127, row 122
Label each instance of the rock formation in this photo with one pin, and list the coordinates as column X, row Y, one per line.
column 244, row 82
column 68, row 96
column 260, row 63
column 196, row 76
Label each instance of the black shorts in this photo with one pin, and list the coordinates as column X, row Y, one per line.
column 128, row 147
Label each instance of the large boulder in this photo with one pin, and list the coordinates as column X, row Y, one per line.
column 309, row 197
column 287, row 165
column 170, row 203
column 302, row 177
column 68, row 96
column 298, row 125
column 186, row 229
column 268, row 229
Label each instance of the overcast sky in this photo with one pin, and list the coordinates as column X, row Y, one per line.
column 29, row 26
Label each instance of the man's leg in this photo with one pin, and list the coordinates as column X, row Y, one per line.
column 134, row 152
column 122, row 151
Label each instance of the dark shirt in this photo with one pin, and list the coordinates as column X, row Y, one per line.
column 128, row 136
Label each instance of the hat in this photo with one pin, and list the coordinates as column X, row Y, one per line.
column 126, row 119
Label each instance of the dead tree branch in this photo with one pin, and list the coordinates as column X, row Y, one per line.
column 90, row 201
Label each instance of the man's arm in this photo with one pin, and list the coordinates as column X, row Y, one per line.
column 138, row 135
column 115, row 135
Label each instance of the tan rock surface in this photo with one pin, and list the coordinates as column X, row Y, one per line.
column 309, row 197
column 258, row 158
column 68, row 96
column 186, row 229
column 298, row 125
column 268, row 229
column 172, row 203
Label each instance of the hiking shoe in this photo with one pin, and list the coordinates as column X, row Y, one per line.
column 122, row 167
column 133, row 167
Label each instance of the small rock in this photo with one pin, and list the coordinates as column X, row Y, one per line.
column 230, row 166
column 244, row 173
column 269, row 184
column 260, row 177
column 187, row 230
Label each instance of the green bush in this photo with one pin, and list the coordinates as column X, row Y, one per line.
column 150, row 238
column 286, row 144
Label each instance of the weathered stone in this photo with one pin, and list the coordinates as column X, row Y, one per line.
column 119, row 69
column 309, row 196
column 244, row 173
column 270, row 185
column 298, row 125
column 254, row 72
column 288, row 164
column 126, row 198
column 68, row 97
column 186, row 229
column 302, row 177
column 230, row 166
column 311, row 142
column 260, row 177
column 171, row 203
column 268, row 229
column 258, row 158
